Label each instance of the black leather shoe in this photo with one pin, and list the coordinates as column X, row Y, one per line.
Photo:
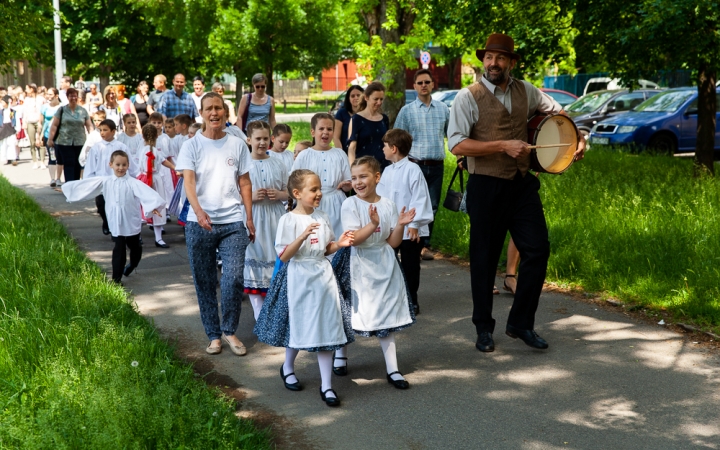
column 106, row 230
column 416, row 308
column 529, row 337
column 485, row 342
column 330, row 401
column 400, row 384
column 339, row 371
column 291, row 386
column 128, row 270
column 163, row 245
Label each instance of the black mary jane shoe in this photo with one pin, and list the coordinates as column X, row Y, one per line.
column 529, row 337
column 399, row 384
column 163, row 245
column 105, row 230
column 128, row 270
column 330, row 401
column 290, row 386
column 342, row 370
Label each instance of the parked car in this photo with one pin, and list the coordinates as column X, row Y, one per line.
column 666, row 122
column 562, row 97
column 596, row 106
column 606, row 83
column 410, row 96
column 447, row 97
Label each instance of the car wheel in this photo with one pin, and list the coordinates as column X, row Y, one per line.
column 663, row 143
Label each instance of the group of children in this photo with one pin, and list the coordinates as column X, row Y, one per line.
column 323, row 267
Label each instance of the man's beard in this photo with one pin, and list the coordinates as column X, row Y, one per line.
column 499, row 78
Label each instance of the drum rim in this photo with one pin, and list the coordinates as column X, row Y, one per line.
column 533, row 152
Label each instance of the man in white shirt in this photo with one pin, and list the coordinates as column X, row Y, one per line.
column 65, row 84
column 198, row 93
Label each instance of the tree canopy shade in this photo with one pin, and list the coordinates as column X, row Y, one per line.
column 641, row 36
column 27, row 27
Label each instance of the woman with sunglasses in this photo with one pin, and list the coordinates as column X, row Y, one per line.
column 257, row 106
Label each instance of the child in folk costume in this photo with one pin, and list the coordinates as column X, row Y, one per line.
column 269, row 182
column 304, row 309
column 92, row 138
column 151, row 160
column 330, row 164
column 131, row 138
column 194, row 128
column 97, row 164
column 166, row 142
column 368, row 273
column 281, row 137
column 403, row 183
column 123, row 197
column 182, row 125
column 8, row 130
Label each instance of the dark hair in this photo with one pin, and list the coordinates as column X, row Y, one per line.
column 33, row 86
column 317, row 118
column 423, row 72
column 400, row 139
column 183, row 119
column 149, row 134
column 128, row 116
column 199, row 78
column 297, row 180
column 209, row 95
column 281, row 128
column 371, row 88
column 346, row 104
column 117, row 153
column 370, row 161
column 54, row 89
column 156, row 116
column 108, row 123
column 71, row 91
column 66, row 79
column 258, row 125
column 170, row 120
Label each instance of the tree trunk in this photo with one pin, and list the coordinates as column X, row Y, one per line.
column 452, row 66
column 104, row 82
column 707, row 107
column 238, row 86
column 270, row 85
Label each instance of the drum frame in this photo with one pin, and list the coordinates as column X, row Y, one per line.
column 534, row 126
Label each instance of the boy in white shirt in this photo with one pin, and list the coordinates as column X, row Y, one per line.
column 182, row 127
column 404, row 184
column 92, row 138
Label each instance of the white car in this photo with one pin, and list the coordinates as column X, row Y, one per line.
column 606, row 83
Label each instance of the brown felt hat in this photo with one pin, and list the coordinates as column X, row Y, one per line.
column 498, row 43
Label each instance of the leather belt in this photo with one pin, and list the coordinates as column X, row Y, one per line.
column 427, row 162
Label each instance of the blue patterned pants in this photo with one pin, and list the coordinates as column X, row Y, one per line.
column 230, row 240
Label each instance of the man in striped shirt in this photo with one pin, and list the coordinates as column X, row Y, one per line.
column 427, row 121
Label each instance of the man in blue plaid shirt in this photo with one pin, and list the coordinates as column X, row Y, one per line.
column 427, row 121
column 177, row 101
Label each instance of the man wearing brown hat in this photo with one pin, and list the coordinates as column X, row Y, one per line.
column 488, row 125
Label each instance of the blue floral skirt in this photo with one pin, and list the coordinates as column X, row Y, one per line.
column 273, row 323
column 341, row 267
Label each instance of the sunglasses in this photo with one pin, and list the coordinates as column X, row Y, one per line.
column 260, row 86
column 420, row 83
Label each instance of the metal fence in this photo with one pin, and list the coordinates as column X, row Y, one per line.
column 24, row 74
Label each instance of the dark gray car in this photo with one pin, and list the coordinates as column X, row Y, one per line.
column 599, row 105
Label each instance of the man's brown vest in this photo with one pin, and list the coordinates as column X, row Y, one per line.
column 495, row 123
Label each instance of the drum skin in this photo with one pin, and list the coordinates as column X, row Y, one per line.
column 544, row 129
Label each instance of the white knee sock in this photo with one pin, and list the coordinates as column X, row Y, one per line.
column 341, row 353
column 388, row 348
column 158, row 234
column 256, row 300
column 325, row 363
column 289, row 366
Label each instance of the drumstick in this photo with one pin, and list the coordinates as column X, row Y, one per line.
column 547, row 146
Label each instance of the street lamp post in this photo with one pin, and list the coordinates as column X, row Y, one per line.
column 58, row 43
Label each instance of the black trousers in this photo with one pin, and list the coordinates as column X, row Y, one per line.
column 496, row 206
column 119, row 255
column 100, row 204
column 68, row 155
column 410, row 262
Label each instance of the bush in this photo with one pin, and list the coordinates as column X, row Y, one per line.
column 80, row 368
column 636, row 227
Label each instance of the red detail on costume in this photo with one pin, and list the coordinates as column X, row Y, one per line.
column 314, row 241
column 256, row 291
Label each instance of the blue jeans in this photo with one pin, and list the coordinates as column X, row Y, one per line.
column 434, row 178
column 230, row 240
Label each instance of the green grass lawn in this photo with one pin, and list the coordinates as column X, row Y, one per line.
column 79, row 367
column 635, row 227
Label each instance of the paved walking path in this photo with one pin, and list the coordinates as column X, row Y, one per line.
column 607, row 382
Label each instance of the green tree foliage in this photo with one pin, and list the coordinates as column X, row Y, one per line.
column 115, row 38
column 640, row 37
column 26, row 32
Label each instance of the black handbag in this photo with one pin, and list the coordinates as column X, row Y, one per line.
column 57, row 130
column 454, row 198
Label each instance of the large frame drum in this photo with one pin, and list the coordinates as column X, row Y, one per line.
column 548, row 130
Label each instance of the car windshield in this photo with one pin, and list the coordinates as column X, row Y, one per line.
column 589, row 103
column 665, row 102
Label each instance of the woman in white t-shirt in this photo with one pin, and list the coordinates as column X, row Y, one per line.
column 214, row 165
column 31, row 124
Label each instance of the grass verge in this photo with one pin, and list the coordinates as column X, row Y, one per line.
column 79, row 367
column 635, row 227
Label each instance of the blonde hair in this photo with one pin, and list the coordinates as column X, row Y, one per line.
column 370, row 161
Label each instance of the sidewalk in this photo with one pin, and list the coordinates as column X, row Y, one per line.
column 606, row 382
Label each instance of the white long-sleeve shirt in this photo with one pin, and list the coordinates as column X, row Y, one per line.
column 134, row 143
column 123, row 198
column 98, row 159
column 404, row 184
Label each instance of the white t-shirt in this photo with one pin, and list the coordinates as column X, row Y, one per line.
column 217, row 165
